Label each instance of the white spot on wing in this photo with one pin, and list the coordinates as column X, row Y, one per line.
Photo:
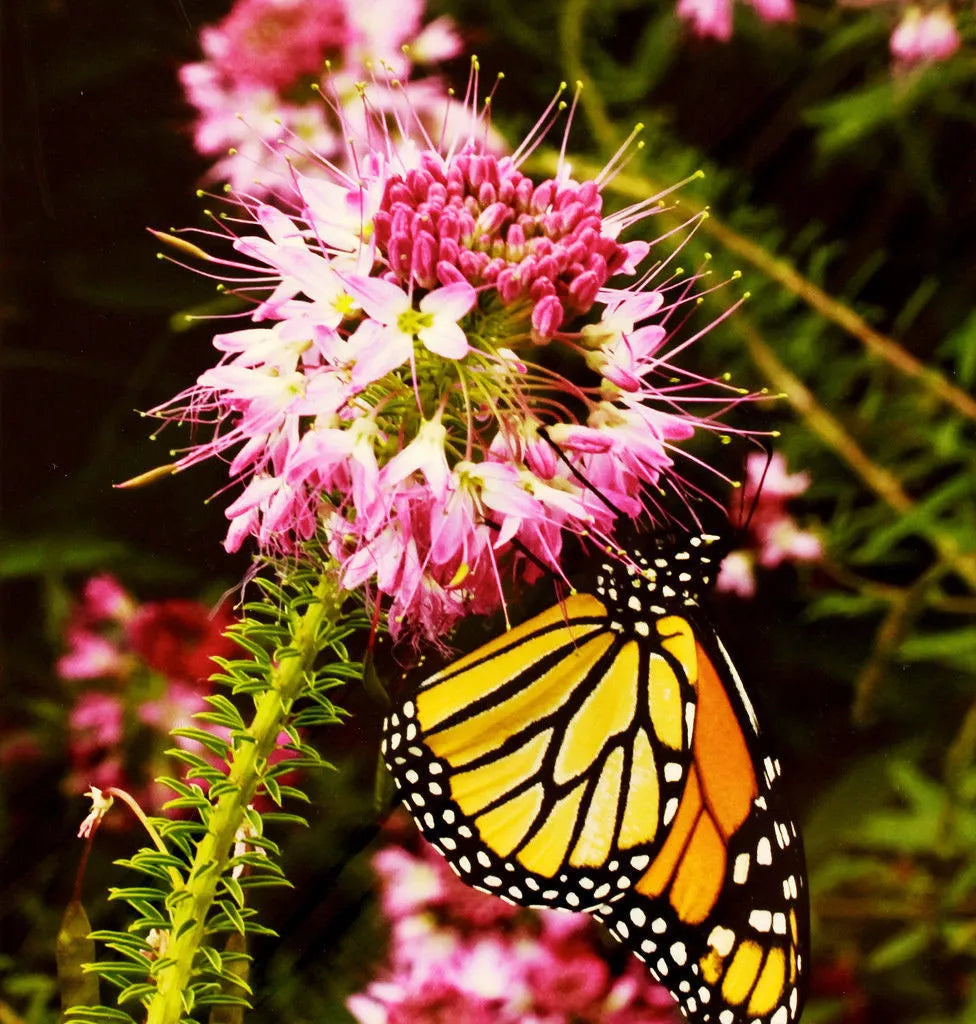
column 722, row 940
column 761, row 920
column 764, row 851
column 740, row 872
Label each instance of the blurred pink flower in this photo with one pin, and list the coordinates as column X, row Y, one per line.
column 150, row 663
column 103, row 598
column 252, row 91
column 925, row 36
column 457, row 951
column 712, row 19
column 709, row 19
column 91, row 656
column 773, row 535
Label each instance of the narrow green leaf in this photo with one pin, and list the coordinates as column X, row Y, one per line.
column 75, row 948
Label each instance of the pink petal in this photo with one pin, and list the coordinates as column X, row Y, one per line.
column 445, row 339
column 382, row 300
column 378, row 350
column 452, row 301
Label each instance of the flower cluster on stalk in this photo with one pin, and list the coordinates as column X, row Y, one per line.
column 444, row 362
column 456, row 953
column 252, row 90
column 773, row 536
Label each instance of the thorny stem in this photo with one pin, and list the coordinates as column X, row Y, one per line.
column 779, row 270
column 189, row 915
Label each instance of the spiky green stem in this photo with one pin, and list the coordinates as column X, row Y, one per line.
column 191, row 904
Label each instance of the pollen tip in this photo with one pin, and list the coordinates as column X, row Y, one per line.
column 775, row 433
column 708, row 255
column 699, row 173
column 315, row 87
column 736, row 274
column 200, row 194
column 725, row 439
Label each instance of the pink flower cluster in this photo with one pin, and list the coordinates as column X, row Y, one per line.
column 773, row 534
column 146, row 669
column 923, row 36
column 437, row 352
column 457, row 954
column 253, row 91
column 712, row 19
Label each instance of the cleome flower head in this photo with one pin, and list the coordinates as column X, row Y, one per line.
column 435, row 356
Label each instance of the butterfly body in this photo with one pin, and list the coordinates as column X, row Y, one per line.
column 604, row 756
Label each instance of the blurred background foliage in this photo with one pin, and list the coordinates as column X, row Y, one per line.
column 844, row 192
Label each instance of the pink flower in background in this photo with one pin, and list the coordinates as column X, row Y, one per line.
column 774, row 536
column 405, row 343
column 925, row 36
column 458, row 952
column 147, row 668
column 253, row 89
column 712, row 19
column 708, row 19
column 774, row 10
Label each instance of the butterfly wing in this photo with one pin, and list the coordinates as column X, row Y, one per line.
column 721, row 915
column 547, row 765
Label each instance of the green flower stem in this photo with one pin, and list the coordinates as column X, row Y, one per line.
column 190, row 913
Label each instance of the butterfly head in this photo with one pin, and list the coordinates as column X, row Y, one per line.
column 664, row 574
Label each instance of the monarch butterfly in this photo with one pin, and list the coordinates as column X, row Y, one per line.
column 604, row 756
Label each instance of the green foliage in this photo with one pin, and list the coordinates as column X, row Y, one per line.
column 900, row 880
